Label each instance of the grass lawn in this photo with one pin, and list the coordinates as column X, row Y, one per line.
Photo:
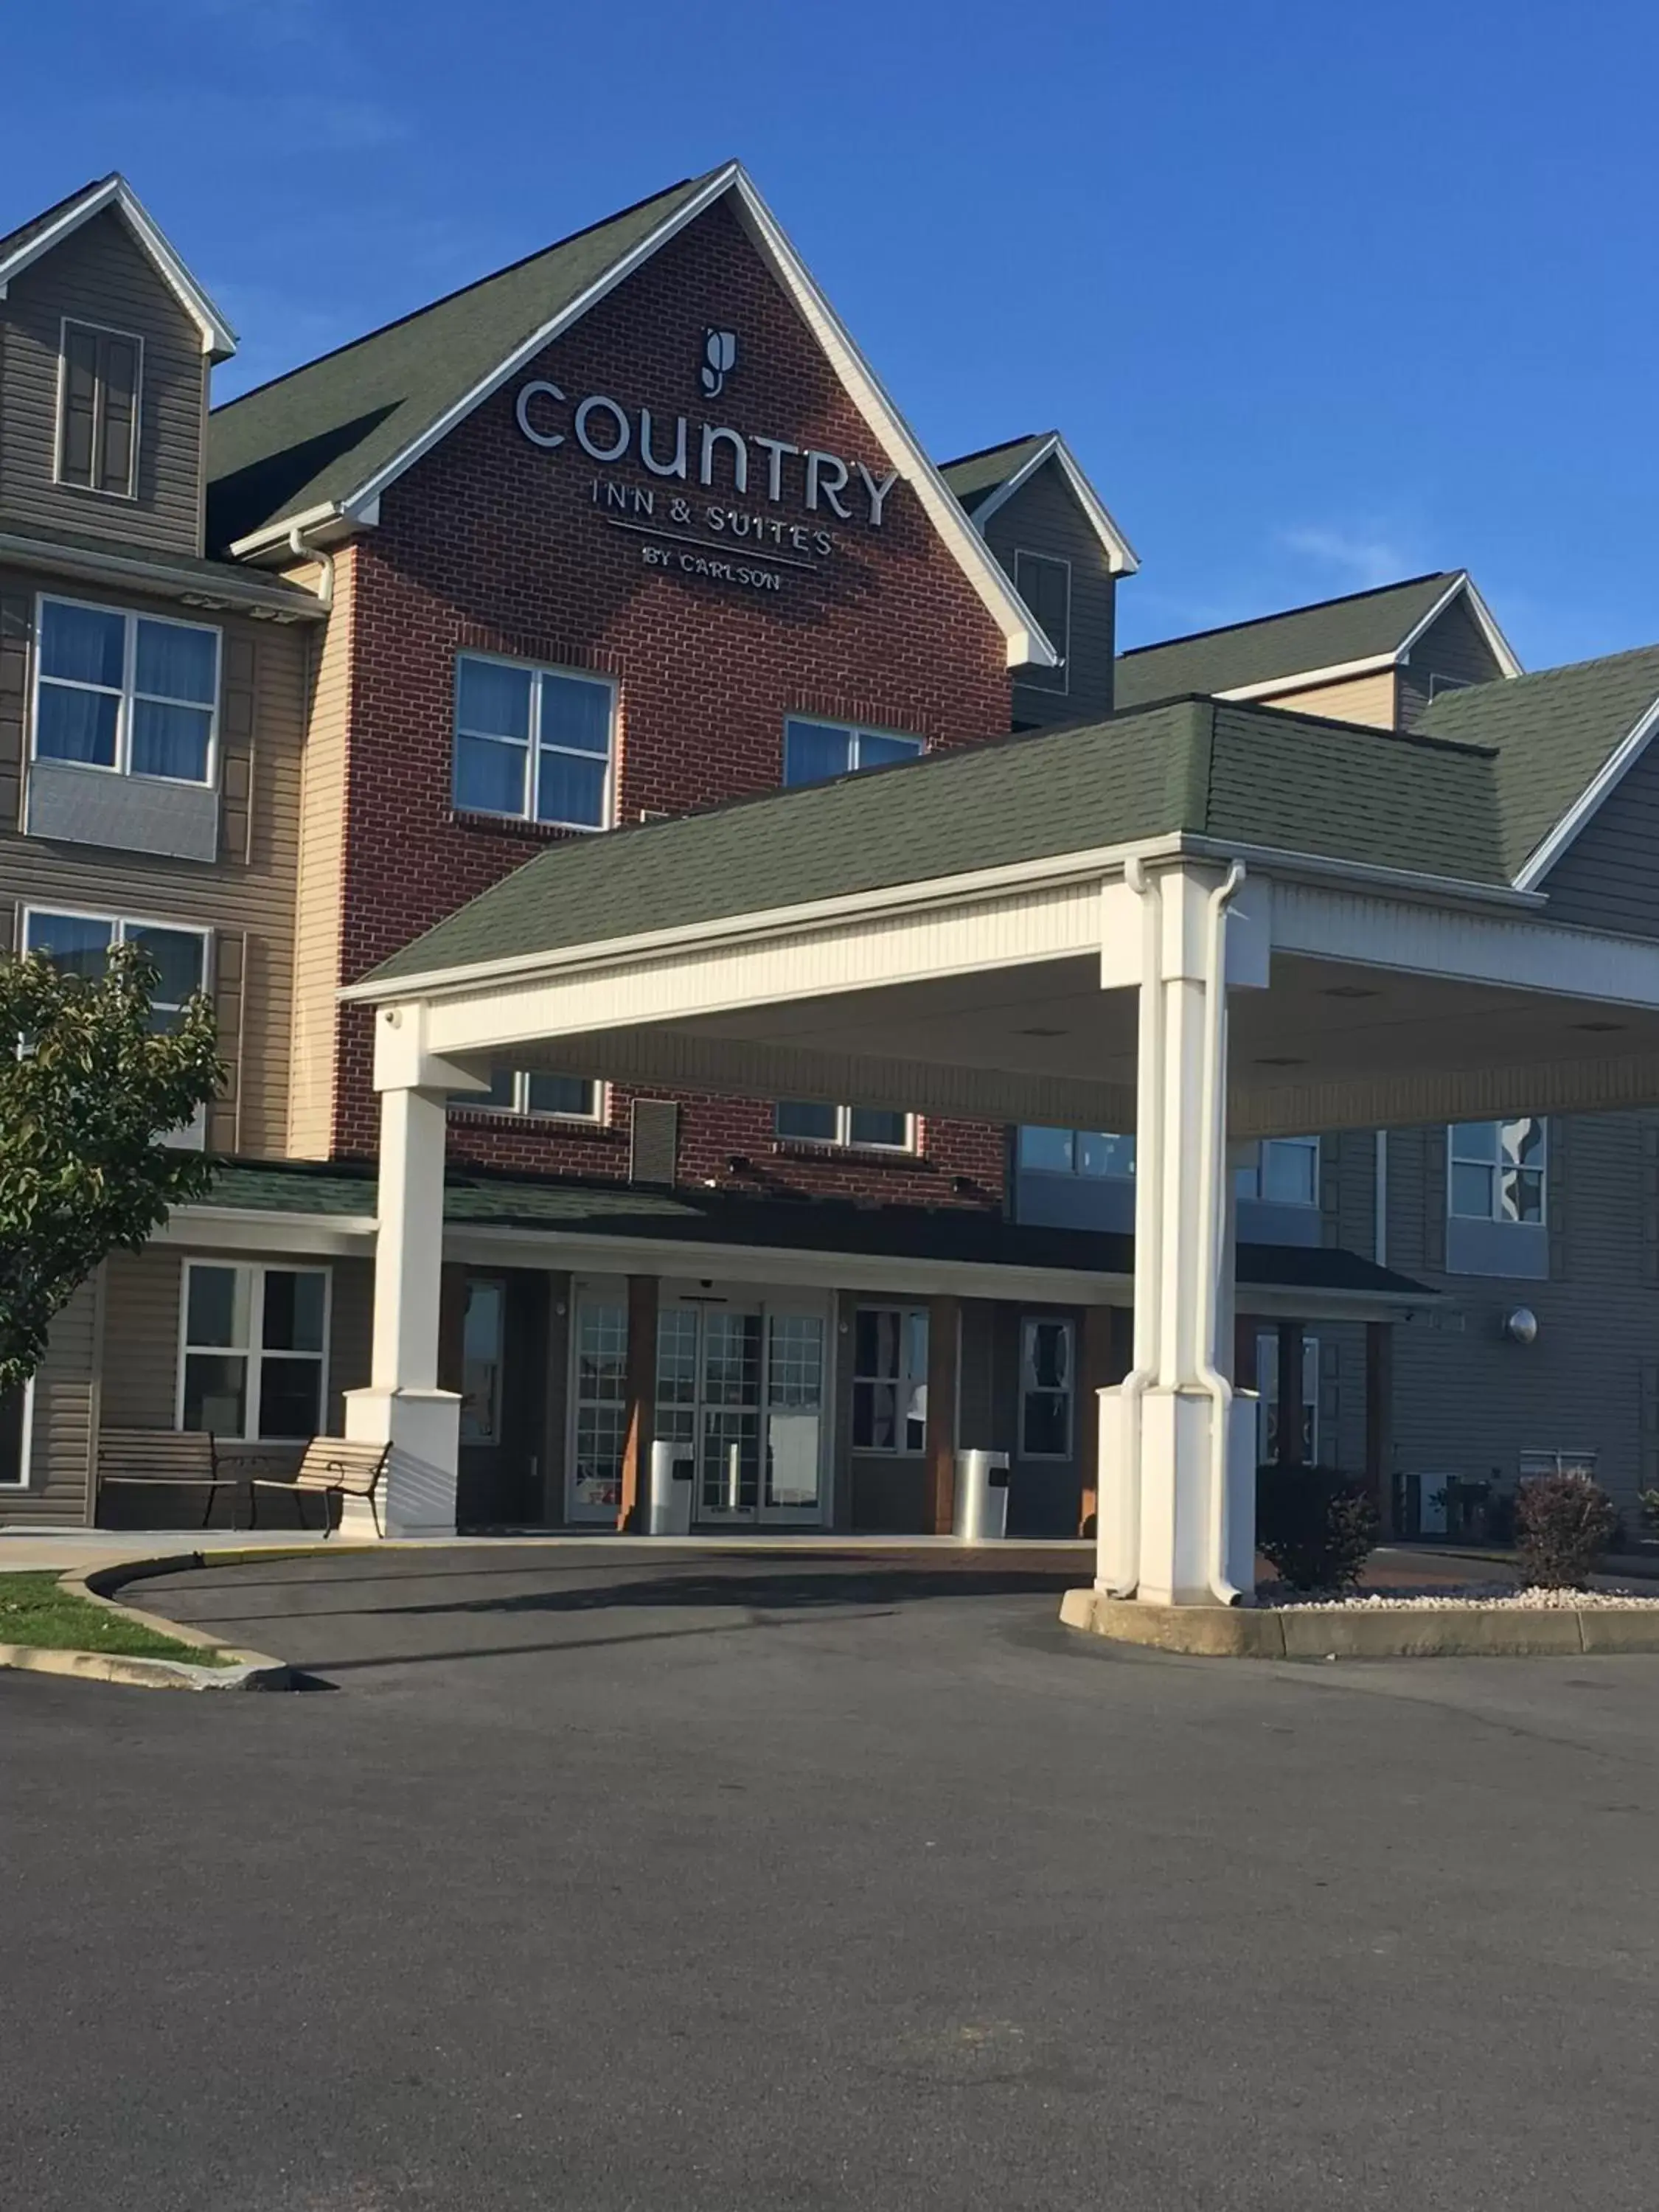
column 33, row 1610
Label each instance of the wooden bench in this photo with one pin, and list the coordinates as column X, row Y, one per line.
column 163, row 1459
column 333, row 1466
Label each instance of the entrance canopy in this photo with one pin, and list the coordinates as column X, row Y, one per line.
column 958, row 935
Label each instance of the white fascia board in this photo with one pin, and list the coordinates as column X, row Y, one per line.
column 1611, row 773
column 1463, row 586
column 1027, row 645
column 218, row 339
column 1122, row 559
column 1308, row 679
column 212, row 1228
column 96, row 566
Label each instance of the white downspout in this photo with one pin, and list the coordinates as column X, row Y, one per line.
column 1149, row 1218
column 1213, row 1143
column 324, row 559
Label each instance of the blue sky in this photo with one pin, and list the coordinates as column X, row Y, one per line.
column 1320, row 294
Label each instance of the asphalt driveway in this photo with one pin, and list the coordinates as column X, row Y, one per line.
column 617, row 1880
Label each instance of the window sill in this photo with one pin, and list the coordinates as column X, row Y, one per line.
column 503, row 1117
column 811, row 1148
column 515, row 825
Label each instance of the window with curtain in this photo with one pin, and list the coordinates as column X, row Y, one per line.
column 98, row 410
column 129, row 692
column 79, row 944
column 533, row 744
column 1094, row 1152
column 859, row 1128
column 815, row 751
column 1497, row 1169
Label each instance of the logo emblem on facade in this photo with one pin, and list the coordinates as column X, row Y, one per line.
column 719, row 358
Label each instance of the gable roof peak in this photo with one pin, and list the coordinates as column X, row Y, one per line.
column 30, row 241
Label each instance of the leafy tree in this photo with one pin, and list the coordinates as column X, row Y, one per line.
column 85, row 1102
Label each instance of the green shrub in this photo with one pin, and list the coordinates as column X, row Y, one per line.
column 1314, row 1525
column 1563, row 1523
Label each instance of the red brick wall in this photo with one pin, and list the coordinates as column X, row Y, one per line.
column 492, row 542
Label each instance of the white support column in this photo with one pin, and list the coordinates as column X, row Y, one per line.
column 1177, row 1523
column 402, row 1404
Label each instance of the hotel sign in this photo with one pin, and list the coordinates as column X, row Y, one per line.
column 704, row 497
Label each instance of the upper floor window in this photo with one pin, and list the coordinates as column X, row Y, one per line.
column 1281, row 1171
column 136, row 694
column 865, row 1128
column 815, row 751
column 1096, row 1152
column 99, row 380
column 533, row 744
column 79, row 944
column 533, row 1091
column 1497, row 1170
column 1045, row 585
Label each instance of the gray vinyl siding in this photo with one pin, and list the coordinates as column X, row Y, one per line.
column 1467, row 1400
column 64, row 1421
column 245, row 897
column 1044, row 517
column 1606, row 879
column 99, row 275
column 1456, row 647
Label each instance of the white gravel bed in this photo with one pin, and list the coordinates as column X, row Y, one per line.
column 1488, row 1597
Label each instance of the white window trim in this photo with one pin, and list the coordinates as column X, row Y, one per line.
column 120, row 924
column 855, row 733
column 903, row 1382
column 26, row 1443
column 842, row 1140
column 520, row 1110
column 254, row 1351
column 122, row 764
column 534, row 747
column 1257, row 1196
column 1493, row 1219
column 1438, row 683
column 1028, row 1324
column 66, row 324
column 1063, row 666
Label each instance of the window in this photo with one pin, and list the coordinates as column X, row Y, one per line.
column 890, row 1379
column 98, row 382
column 79, row 944
column 533, row 744
column 134, row 694
column 1439, row 684
column 865, row 1128
column 1267, row 1371
column 814, row 751
column 1497, row 1170
column 601, row 1414
column 1045, row 1389
column 1096, row 1152
column 482, row 1327
column 1281, row 1171
column 1045, row 585
column 532, row 1091
column 1557, row 1462
column 16, row 1426
column 254, row 1363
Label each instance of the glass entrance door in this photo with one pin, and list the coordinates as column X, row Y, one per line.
column 742, row 1389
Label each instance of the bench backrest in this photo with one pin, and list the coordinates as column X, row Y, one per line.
column 340, row 1463
column 155, row 1455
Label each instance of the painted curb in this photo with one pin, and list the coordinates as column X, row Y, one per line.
column 1436, row 1632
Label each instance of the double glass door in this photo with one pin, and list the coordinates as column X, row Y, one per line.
column 741, row 1388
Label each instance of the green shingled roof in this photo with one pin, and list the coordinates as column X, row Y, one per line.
column 1248, row 774
column 974, row 477
column 1325, row 635
column 316, row 436
column 1552, row 731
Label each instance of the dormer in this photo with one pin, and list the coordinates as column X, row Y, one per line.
column 107, row 342
column 1063, row 554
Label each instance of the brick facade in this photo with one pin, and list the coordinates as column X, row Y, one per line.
column 490, row 542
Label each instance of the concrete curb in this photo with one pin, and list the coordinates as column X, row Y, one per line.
column 252, row 1670
column 1436, row 1632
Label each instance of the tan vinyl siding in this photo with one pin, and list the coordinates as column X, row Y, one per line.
column 248, row 903
column 141, row 1331
column 65, row 1420
column 101, row 276
column 321, row 875
column 1044, row 517
column 1367, row 699
column 1454, row 646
